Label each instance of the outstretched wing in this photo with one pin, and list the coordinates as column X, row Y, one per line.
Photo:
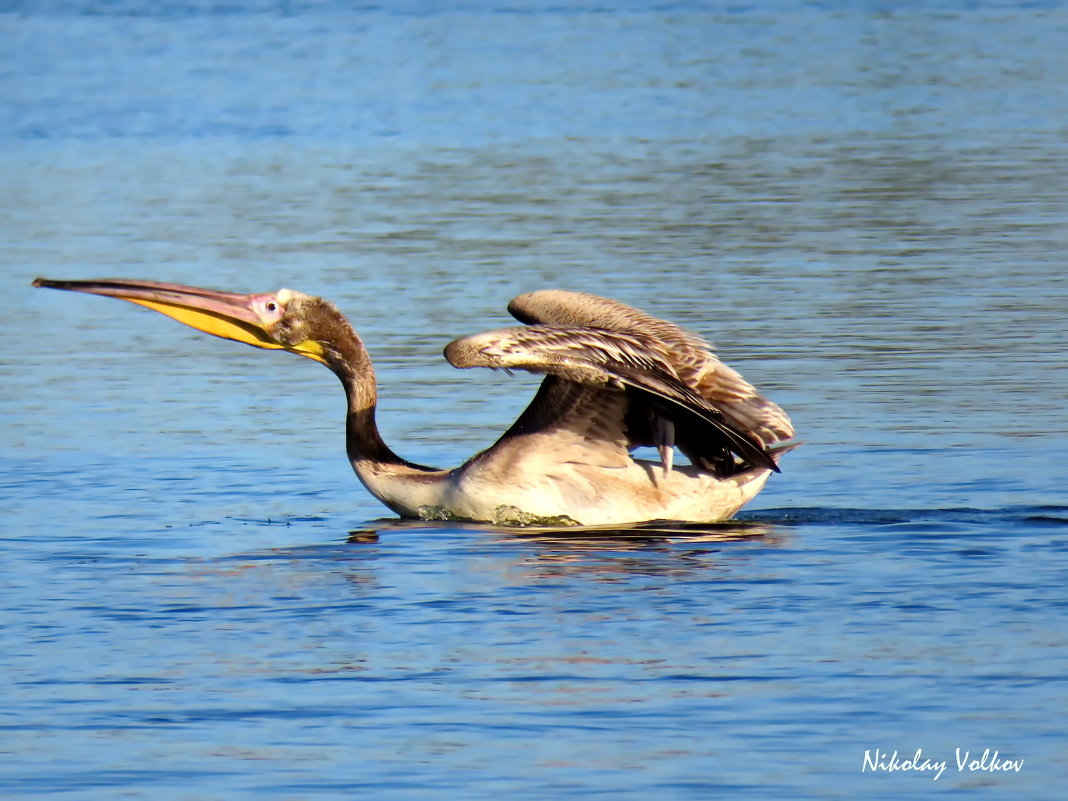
column 690, row 357
column 613, row 362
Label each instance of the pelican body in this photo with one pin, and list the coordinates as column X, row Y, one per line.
column 616, row 379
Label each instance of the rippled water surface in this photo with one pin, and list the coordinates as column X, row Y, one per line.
column 863, row 206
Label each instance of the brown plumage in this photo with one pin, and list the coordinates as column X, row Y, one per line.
column 690, row 356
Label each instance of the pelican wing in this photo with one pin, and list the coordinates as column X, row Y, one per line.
column 690, row 357
column 613, row 362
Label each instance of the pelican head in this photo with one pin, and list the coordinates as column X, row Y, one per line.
column 282, row 320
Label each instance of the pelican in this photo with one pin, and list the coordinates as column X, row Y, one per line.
column 615, row 379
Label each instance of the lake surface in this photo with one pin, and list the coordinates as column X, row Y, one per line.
column 862, row 204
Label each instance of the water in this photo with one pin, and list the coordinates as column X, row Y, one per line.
column 862, row 204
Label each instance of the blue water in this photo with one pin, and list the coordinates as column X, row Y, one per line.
column 862, row 205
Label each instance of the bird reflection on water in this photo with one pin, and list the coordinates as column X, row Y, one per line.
column 657, row 547
column 638, row 534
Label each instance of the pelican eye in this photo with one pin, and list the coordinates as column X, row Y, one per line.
column 269, row 308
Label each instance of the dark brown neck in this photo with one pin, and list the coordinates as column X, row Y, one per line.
column 363, row 442
column 346, row 355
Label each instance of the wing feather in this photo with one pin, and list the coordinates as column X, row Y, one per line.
column 613, row 361
column 690, row 357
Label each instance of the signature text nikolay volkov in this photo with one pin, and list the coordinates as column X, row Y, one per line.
column 879, row 761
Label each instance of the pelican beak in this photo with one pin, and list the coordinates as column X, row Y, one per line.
column 223, row 314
